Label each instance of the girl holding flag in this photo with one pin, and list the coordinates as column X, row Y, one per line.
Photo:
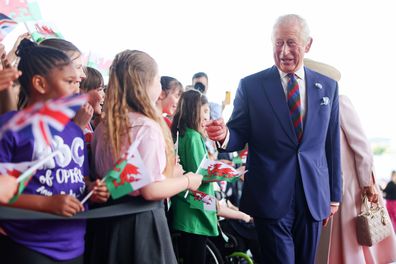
column 58, row 185
column 132, row 122
column 195, row 225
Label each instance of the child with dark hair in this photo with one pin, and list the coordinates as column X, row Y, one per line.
column 84, row 115
column 169, row 97
column 194, row 225
column 58, row 186
column 71, row 50
column 93, row 82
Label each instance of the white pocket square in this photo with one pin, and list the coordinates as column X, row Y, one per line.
column 318, row 85
column 325, row 101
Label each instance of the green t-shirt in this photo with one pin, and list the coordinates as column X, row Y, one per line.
column 191, row 150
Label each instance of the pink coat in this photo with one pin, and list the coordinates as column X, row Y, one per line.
column 357, row 169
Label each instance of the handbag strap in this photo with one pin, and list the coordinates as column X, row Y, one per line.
column 369, row 207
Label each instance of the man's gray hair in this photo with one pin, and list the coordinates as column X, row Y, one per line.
column 291, row 19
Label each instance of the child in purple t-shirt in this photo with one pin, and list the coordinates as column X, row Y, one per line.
column 59, row 185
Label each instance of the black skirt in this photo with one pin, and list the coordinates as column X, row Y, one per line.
column 133, row 238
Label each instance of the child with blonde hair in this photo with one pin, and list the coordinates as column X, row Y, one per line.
column 131, row 117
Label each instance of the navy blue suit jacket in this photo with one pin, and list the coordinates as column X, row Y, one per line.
column 261, row 118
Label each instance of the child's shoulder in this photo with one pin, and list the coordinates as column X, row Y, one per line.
column 4, row 118
column 139, row 120
column 191, row 134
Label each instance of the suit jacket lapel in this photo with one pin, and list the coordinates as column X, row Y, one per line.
column 312, row 102
column 274, row 91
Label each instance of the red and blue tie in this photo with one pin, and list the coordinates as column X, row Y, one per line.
column 294, row 102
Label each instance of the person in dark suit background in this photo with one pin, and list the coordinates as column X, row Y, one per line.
column 289, row 116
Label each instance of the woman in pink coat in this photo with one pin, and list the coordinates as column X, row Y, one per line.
column 358, row 177
column 357, row 170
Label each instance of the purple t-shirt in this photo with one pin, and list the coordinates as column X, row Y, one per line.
column 58, row 239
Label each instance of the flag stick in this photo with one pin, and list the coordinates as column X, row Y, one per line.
column 91, row 192
column 31, row 170
column 27, row 28
column 200, row 164
column 242, row 173
column 177, row 143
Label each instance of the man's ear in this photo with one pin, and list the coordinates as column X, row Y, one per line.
column 40, row 84
column 308, row 45
column 162, row 95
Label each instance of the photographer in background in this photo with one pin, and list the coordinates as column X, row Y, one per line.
column 200, row 83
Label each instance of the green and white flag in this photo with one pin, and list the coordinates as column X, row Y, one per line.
column 202, row 201
column 217, row 171
column 128, row 175
column 42, row 30
column 16, row 170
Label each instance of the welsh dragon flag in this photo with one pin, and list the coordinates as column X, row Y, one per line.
column 16, row 169
column 42, row 30
column 217, row 171
column 128, row 175
column 202, row 201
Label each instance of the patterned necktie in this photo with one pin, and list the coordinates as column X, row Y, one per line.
column 294, row 102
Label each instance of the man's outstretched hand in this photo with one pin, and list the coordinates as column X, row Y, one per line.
column 217, row 130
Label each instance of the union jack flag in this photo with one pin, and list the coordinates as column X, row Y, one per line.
column 43, row 116
column 6, row 25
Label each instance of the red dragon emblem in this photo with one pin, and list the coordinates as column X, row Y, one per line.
column 201, row 196
column 45, row 30
column 127, row 175
column 215, row 170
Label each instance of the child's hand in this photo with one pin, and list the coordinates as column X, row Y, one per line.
column 65, row 205
column 241, row 169
column 178, row 170
column 8, row 186
column 2, row 51
column 83, row 116
column 7, row 77
column 101, row 193
column 247, row 218
column 94, row 97
column 194, row 180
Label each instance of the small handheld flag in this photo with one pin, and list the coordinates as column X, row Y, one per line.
column 16, row 170
column 6, row 25
column 129, row 174
column 21, row 10
column 218, row 171
column 24, row 171
column 202, row 201
column 43, row 116
column 41, row 31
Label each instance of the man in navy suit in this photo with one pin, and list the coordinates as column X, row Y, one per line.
column 294, row 181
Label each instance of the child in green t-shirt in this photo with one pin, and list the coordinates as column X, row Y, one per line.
column 194, row 225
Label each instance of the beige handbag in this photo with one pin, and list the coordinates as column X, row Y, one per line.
column 372, row 224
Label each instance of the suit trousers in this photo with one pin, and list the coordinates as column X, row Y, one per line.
column 292, row 238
